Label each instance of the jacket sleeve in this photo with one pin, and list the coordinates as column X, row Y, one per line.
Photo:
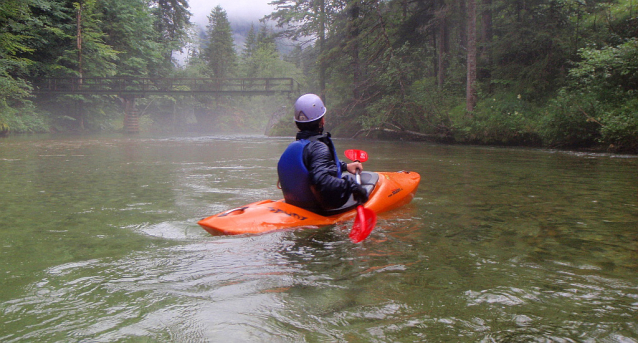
column 344, row 167
column 331, row 191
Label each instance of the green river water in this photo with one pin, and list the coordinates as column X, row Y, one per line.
column 100, row 243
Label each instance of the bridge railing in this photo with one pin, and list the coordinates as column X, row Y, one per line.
column 144, row 86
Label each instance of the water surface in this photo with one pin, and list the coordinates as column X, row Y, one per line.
column 100, row 243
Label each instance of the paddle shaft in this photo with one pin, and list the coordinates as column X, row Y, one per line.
column 366, row 218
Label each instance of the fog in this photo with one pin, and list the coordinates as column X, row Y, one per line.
column 237, row 10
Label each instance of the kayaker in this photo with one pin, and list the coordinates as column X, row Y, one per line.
column 310, row 172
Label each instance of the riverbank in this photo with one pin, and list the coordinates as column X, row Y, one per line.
column 509, row 130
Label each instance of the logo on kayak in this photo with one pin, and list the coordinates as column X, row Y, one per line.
column 289, row 214
column 395, row 191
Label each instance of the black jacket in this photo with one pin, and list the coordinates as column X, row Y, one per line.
column 331, row 191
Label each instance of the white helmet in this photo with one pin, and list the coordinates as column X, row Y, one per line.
column 309, row 107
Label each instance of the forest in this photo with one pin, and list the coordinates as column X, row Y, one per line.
column 547, row 73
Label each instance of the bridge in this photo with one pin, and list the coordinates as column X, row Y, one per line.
column 175, row 86
column 128, row 88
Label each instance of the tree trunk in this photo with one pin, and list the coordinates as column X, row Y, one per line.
column 322, row 39
column 79, row 39
column 471, row 56
column 486, row 42
column 353, row 32
column 443, row 44
column 463, row 24
column 486, row 21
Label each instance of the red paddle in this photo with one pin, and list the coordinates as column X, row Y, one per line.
column 356, row 155
column 366, row 218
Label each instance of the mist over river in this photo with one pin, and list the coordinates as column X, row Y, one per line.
column 100, row 243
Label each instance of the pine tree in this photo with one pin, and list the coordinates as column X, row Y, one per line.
column 250, row 45
column 14, row 35
column 128, row 25
column 265, row 38
column 171, row 21
column 219, row 53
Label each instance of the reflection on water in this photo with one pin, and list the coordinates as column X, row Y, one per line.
column 100, row 243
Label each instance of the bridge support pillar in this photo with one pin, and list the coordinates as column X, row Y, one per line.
column 131, row 119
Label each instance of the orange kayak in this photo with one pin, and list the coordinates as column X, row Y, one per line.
column 392, row 190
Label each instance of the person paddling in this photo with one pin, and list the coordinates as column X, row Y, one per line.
column 309, row 170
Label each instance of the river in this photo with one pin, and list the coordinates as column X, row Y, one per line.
column 100, row 243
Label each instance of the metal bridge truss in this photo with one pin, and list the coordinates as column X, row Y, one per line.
column 146, row 86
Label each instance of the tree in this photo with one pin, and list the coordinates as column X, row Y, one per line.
column 320, row 8
column 250, row 44
column 486, row 36
column 90, row 55
column 219, row 52
column 471, row 56
column 14, row 35
column 129, row 29
column 264, row 59
column 171, row 21
column 353, row 31
column 307, row 19
column 443, row 42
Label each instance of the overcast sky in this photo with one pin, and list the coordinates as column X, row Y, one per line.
column 251, row 10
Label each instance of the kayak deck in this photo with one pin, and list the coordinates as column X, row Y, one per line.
column 394, row 189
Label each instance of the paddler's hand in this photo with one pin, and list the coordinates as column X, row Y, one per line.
column 354, row 166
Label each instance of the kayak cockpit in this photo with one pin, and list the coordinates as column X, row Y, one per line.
column 368, row 181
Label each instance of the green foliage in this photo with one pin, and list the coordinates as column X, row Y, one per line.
column 128, row 25
column 599, row 104
column 22, row 119
column 611, row 72
column 435, row 104
column 17, row 23
column 533, row 43
column 505, row 119
column 92, row 56
column 570, row 120
column 52, row 33
column 171, row 24
column 300, row 19
column 250, row 44
column 117, row 38
column 262, row 59
column 542, row 78
column 4, row 129
column 219, row 52
column 620, row 127
column 12, row 90
column 380, row 64
column 14, row 36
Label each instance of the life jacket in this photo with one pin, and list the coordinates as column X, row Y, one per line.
column 294, row 176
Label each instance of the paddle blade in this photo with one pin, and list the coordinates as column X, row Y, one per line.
column 363, row 224
column 356, row 155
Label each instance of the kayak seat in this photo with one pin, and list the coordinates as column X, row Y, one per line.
column 368, row 181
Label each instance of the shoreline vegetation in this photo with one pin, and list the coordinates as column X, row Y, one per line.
column 559, row 74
